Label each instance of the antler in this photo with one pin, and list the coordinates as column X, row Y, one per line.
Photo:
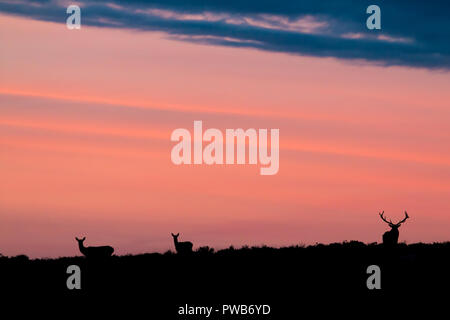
column 384, row 219
column 406, row 217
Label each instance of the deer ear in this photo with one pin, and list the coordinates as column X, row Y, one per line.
column 177, row 234
column 172, row 234
column 76, row 238
column 84, row 238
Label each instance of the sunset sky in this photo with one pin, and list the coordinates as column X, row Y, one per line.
column 86, row 117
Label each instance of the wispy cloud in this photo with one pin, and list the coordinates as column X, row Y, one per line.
column 414, row 33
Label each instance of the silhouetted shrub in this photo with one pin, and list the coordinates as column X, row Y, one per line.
column 205, row 250
column 20, row 258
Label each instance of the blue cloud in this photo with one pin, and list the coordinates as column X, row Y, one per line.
column 414, row 33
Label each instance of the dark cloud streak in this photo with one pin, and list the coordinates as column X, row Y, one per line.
column 424, row 26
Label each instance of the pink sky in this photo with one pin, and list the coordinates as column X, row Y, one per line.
column 86, row 118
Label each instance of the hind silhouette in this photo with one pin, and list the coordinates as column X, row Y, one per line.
column 390, row 238
column 182, row 247
column 94, row 252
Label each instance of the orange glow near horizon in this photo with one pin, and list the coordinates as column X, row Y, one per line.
column 85, row 124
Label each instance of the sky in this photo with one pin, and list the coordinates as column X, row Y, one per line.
column 86, row 118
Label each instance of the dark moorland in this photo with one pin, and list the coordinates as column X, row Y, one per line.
column 275, row 276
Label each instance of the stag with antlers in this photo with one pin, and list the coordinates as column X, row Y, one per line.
column 390, row 238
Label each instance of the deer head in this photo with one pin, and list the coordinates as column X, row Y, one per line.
column 80, row 240
column 390, row 223
column 175, row 236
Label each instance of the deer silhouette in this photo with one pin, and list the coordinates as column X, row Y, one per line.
column 390, row 238
column 94, row 252
column 182, row 247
